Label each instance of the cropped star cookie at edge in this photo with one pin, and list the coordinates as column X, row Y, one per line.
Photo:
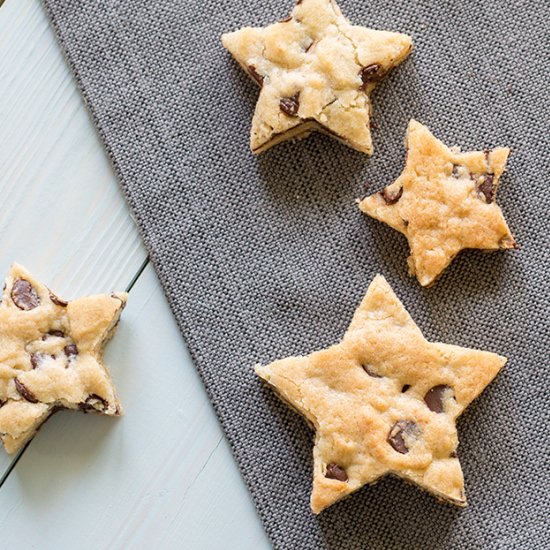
column 51, row 356
column 316, row 72
column 384, row 401
column 443, row 202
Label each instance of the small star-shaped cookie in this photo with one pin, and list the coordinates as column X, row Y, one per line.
column 384, row 401
column 443, row 202
column 51, row 356
column 316, row 72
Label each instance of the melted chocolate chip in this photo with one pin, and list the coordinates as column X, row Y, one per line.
column 24, row 296
column 94, row 403
column 24, row 391
column 434, row 398
column 487, row 188
column 405, row 388
column 256, row 75
column 290, row 105
column 395, row 437
column 391, row 197
column 335, row 472
column 369, row 74
column 71, row 350
column 56, row 333
column 453, row 454
column 369, row 370
column 58, row 301
column 36, row 360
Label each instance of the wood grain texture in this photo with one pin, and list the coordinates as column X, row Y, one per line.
column 61, row 214
column 161, row 476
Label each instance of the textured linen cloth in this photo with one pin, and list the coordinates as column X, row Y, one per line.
column 266, row 257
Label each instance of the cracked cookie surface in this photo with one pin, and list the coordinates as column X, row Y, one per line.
column 316, row 72
column 51, row 355
column 384, row 401
column 443, row 202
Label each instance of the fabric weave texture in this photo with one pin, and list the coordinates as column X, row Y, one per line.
column 264, row 257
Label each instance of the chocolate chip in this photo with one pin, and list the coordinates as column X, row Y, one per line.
column 24, row 296
column 453, row 454
column 256, row 75
column 94, row 403
column 369, row 74
column 369, row 370
column 487, row 188
column 405, row 388
column 391, row 197
column 58, row 301
column 71, row 350
column 36, row 360
column 434, row 398
column 290, row 105
column 24, row 391
column 55, row 333
column 395, row 437
column 335, row 472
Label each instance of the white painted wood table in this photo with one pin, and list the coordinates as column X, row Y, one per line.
column 162, row 476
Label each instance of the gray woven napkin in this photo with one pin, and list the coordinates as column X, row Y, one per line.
column 265, row 257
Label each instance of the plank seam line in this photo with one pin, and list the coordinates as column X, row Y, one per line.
column 138, row 274
column 14, row 461
column 20, row 453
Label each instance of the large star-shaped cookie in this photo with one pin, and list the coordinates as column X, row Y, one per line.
column 316, row 72
column 443, row 202
column 51, row 356
column 384, row 401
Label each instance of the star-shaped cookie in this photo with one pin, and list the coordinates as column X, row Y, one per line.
column 316, row 72
column 51, row 356
column 443, row 202
column 384, row 401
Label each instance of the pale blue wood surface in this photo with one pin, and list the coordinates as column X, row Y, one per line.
column 61, row 212
column 159, row 477
column 162, row 476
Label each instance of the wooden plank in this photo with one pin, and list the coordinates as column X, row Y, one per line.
column 62, row 214
column 160, row 477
